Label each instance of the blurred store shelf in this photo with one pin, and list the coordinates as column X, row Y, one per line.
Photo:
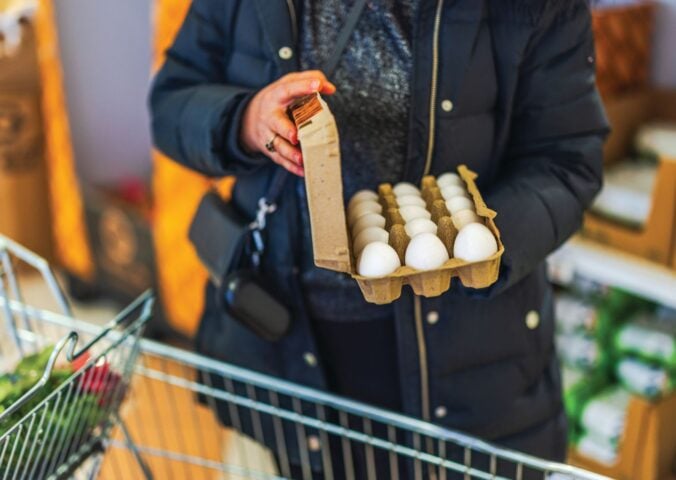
column 612, row 267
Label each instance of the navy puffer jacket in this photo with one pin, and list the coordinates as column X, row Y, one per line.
column 526, row 116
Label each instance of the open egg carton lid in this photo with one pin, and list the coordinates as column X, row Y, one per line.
column 319, row 140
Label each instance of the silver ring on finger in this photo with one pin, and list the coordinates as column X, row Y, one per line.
column 270, row 145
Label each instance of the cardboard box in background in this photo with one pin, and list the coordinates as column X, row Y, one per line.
column 623, row 36
column 648, row 444
column 655, row 241
column 24, row 206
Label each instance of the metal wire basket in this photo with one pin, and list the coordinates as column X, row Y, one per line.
column 59, row 404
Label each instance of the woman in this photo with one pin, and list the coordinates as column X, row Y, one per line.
column 506, row 87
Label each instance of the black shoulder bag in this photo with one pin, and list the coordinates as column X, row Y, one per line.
column 231, row 247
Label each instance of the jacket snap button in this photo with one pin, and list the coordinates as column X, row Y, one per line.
column 440, row 412
column 310, row 359
column 532, row 319
column 446, row 105
column 285, row 53
column 432, row 317
column 313, row 443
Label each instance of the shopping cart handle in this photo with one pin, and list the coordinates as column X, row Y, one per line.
column 145, row 301
column 69, row 342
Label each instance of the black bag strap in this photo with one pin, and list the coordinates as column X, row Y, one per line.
column 346, row 32
column 268, row 203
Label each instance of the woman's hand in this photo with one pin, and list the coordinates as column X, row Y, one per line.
column 265, row 118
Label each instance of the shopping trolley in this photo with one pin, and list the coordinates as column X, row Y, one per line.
column 171, row 426
column 60, row 387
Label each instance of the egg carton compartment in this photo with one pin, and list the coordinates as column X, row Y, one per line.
column 380, row 290
column 430, row 284
column 433, row 283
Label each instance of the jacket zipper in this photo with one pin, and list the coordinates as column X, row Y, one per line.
column 417, row 306
column 433, row 87
column 422, row 358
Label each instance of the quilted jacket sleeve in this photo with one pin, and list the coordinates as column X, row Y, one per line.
column 553, row 166
column 195, row 113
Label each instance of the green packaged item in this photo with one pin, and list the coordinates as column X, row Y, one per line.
column 576, row 396
column 625, row 304
column 575, row 389
column 644, row 379
column 650, row 342
column 570, row 377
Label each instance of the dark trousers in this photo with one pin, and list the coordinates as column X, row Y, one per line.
column 353, row 369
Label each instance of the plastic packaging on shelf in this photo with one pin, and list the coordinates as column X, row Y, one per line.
column 643, row 378
column 574, row 314
column 605, row 414
column 579, row 389
column 651, row 342
column 627, row 193
column 603, row 420
column 578, row 350
column 597, row 449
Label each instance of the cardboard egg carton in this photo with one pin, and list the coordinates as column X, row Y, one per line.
column 331, row 242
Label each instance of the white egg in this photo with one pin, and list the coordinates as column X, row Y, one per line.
column 411, row 212
column 404, row 188
column 474, row 243
column 420, row 225
column 456, row 204
column 449, row 178
column 426, row 252
column 451, row 191
column 369, row 235
column 377, row 259
column 368, row 220
column 462, row 218
column 362, row 208
column 406, row 200
column 361, row 196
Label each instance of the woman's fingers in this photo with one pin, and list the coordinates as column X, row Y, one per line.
column 327, row 87
column 287, row 91
column 266, row 112
column 283, row 126
column 287, row 164
column 288, row 151
column 304, row 74
column 290, row 90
